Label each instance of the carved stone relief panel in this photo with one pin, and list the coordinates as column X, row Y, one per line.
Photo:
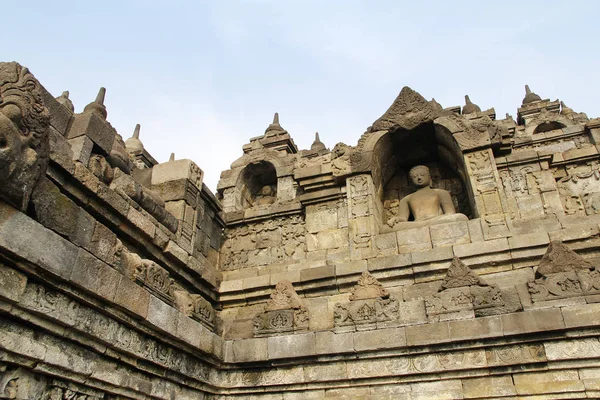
column 580, row 189
column 369, row 307
column 284, row 313
column 262, row 243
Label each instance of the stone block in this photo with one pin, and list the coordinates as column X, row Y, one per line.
column 142, row 222
column 321, row 218
column 28, row 239
column 433, row 255
column 23, row 345
column 250, row 350
column 528, row 240
column 311, row 274
column 478, row 248
column 580, row 316
column 56, row 211
column 12, row 283
column 191, row 331
column 386, row 244
column 291, row 346
column 132, row 297
column 103, row 243
column 95, row 276
column 325, row 372
column 395, row 261
column 81, row 148
column 162, row 315
column 351, row 267
column 177, row 170
column 532, row 321
column 379, row 339
column 475, row 329
column 60, row 150
column 489, row 387
column 443, row 389
column 97, row 129
column 412, row 312
column 475, row 230
column 449, row 234
column 261, row 281
column 334, row 343
column 60, row 116
column 548, row 382
column 175, row 251
column 415, row 239
column 433, row 333
column 330, row 239
column 577, row 232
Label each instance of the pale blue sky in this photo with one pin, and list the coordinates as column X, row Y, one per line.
column 203, row 77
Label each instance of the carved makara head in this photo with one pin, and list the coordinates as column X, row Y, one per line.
column 24, row 121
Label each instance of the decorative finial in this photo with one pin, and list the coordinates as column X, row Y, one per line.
column 100, row 96
column 530, row 97
column 470, row 107
column 136, row 131
column 97, row 106
column 172, row 157
column 134, row 144
column 317, row 144
column 564, row 110
column 65, row 101
column 274, row 128
column 435, row 104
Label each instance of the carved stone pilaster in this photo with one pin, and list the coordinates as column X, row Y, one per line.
column 362, row 216
column 489, row 200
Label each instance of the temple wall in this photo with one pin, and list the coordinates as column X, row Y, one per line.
column 123, row 278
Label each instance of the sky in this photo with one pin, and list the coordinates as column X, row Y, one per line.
column 203, row 77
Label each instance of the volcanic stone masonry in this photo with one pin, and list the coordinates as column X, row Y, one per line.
column 447, row 254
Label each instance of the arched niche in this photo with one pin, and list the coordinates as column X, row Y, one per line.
column 548, row 126
column 257, row 184
column 430, row 144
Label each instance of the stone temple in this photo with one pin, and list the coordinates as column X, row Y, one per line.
column 447, row 254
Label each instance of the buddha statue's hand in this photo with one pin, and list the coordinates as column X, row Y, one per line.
column 394, row 220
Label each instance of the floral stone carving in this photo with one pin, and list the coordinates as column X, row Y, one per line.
column 284, row 313
column 562, row 273
column 369, row 307
column 463, row 294
column 24, row 144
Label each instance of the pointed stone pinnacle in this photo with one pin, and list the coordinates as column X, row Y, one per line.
column 470, row 107
column 530, row 96
column 172, row 157
column 317, row 144
column 100, row 96
column 274, row 128
column 134, row 144
column 65, row 101
column 136, row 132
column 97, row 106
column 317, row 137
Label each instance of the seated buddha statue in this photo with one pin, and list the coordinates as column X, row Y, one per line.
column 265, row 196
column 426, row 205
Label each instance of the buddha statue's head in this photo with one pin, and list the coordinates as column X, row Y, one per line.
column 24, row 121
column 420, row 176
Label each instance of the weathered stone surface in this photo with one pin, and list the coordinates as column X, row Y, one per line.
column 107, row 293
